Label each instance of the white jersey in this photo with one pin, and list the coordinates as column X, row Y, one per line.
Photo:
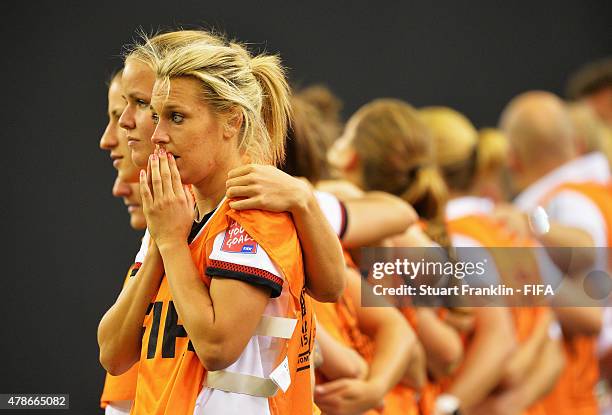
column 568, row 207
column 334, row 211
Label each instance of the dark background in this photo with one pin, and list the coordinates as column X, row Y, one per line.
column 66, row 240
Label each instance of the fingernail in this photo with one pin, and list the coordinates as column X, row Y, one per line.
column 142, row 174
column 170, row 155
column 162, row 152
column 154, row 157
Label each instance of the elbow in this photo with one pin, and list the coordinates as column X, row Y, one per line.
column 409, row 216
column 328, row 296
column 593, row 326
column 448, row 359
column 582, row 260
column 331, row 291
column 451, row 358
column 359, row 369
column 113, row 364
column 216, row 356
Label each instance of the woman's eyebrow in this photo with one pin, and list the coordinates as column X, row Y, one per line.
column 168, row 107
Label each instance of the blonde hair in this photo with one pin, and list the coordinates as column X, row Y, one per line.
column 493, row 150
column 397, row 156
column 231, row 80
column 151, row 48
column 462, row 152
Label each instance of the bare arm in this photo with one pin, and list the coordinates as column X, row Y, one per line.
column 393, row 216
column 393, row 342
column 527, row 353
column 339, row 361
column 267, row 188
column 120, row 330
column 539, row 381
column 416, row 374
column 567, row 237
column 491, row 345
column 543, row 375
column 394, row 339
column 559, row 236
column 580, row 320
column 442, row 344
column 221, row 319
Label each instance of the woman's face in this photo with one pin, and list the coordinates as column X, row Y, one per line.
column 136, row 85
column 187, row 128
column 130, row 193
column 114, row 138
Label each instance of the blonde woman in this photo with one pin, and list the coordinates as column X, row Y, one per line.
column 229, row 310
column 473, row 165
column 114, row 140
column 317, row 238
column 385, row 147
column 118, row 392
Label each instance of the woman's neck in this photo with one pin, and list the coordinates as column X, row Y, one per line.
column 210, row 191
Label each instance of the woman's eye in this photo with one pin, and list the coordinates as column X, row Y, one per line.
column 177, row 118
column 155, row 118
column 141, row 103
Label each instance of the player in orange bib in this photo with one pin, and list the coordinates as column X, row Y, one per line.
column 385, row 147
column 471, row 164
column 119, row 391
column 544, row 159
column 228, row 329
column 378, row 335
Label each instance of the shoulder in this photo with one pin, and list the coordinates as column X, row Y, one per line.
column 269, row 229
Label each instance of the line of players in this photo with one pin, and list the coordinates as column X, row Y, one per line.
column 399, row 176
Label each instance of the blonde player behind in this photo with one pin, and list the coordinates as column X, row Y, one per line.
column 221, row 241
column 118, row 392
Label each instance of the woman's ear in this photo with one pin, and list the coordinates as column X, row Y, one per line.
column 353, row 162
column 233, row 124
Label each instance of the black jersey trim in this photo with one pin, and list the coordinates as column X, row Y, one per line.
column 251, row 275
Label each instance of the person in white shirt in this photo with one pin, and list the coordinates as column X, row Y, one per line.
column 543, row 157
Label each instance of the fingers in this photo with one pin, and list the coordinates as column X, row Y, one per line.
column 245, row 204
column 156, row 180
column 177, row 185
column 243, row 180
column 149, row 174
column 242, row 191
column 241, row 171
column 327, row 403
column 331, row 387
column 145, row 191
column 188, row 195
column 164, row 172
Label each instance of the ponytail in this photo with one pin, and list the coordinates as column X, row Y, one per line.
column 275, row 106
column 428, row 193
column 491, row 152
column 231, row 82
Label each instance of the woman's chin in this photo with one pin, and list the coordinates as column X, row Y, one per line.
column 138, row 221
